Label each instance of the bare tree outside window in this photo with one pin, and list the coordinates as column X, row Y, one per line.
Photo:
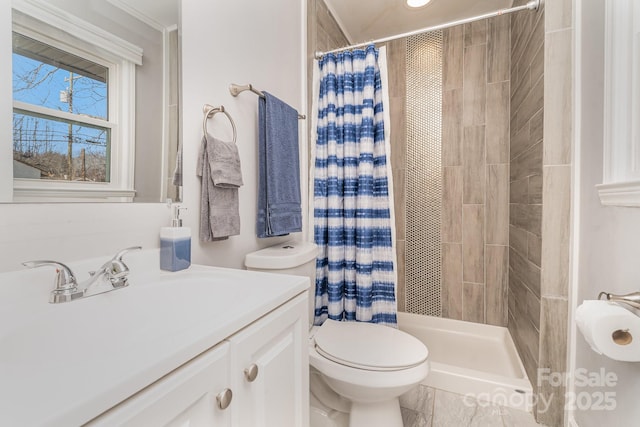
column 47, row 146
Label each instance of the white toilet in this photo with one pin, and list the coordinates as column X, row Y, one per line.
column 358, row 370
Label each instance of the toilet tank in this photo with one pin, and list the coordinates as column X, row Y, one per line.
column 295, row 258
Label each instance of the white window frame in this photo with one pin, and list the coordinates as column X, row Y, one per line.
column 43, row 22
column 621, row 178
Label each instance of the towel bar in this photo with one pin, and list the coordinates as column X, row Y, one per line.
column 237, row 89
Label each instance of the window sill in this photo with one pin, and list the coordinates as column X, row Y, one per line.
column 64, row 194
column 626, row 193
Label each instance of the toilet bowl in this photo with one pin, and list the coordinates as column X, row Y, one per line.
column 358, row 370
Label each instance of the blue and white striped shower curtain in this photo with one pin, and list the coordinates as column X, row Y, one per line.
column 355, row 278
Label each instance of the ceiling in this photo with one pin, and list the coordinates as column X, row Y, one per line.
column 364, row 20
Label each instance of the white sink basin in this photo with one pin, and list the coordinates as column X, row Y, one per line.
column 63, row 364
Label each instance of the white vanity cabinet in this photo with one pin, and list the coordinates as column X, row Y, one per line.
column 256, row 377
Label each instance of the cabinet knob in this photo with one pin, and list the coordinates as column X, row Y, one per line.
column 224, row 398
column 251, row 373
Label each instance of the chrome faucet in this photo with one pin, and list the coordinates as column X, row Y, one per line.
column 114, row 270
column 66, row 287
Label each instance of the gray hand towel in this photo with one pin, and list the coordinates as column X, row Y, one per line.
column 219, row 168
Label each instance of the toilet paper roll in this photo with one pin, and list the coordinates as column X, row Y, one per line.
column 610, row 329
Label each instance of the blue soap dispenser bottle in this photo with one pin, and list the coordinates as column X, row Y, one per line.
column 175, row 244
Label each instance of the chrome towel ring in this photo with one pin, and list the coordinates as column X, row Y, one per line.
column 209, row 111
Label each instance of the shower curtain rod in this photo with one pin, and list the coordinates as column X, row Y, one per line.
column 531, row 5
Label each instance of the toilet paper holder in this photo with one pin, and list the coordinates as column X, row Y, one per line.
column 632, row 299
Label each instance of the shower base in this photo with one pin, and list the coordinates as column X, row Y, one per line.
column 471, row 359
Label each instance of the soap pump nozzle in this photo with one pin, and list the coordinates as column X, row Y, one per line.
column 176, row 221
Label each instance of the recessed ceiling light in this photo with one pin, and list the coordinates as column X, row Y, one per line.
column 417, row 3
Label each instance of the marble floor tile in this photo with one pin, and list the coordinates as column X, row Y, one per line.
column 454, row 410
column 516, row 418
column 412, row 418
column 419, row 399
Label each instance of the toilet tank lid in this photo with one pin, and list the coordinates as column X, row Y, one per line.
column 284, row 255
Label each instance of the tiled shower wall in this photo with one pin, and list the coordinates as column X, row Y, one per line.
column 475, row 173
column 525, row 231
column 475, row 159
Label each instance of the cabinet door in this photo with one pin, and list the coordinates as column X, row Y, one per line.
column 277, row 346
column 185, row 397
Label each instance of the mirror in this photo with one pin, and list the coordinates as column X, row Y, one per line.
column 90, row 78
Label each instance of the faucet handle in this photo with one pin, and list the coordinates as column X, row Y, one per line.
column 66, row 286
column 117, row 270
column 120, row 254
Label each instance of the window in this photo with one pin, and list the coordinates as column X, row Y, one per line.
column 48, row 144
column 73, row 108
column 621, row 180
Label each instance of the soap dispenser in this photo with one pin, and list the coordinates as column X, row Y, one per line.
column 175, row 244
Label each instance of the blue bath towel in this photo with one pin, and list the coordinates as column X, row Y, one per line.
column 279, row 207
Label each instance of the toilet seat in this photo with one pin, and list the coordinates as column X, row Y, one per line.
column 369, row 346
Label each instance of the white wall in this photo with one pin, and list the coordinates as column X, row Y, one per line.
column 609, row 246
column 64, row 232
column 223, row 42
column 6, row 108
column 240, row 41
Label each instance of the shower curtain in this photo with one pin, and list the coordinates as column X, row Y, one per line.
column 353, row 216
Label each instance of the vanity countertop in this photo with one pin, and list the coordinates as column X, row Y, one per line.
column 63, row 364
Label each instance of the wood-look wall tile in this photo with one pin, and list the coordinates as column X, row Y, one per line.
column 533, row 102
column 519, row 90
column 451, row 231
column 497, row 284
column 328, row 25
column 526, row 338
column 528, row 217
column 520, row 34
column 499, row 49
column 558, row 15
column 497, row 123
column 452, row 280
column 528, row 163
column 525, row 303
column 518, row 240
column 556, row 230
column 473, row 302
column 397, row 111
column 452, row 54
column 558, row 123
column 400, row 202
column 520, row 141
column 553, row 356
column 473, row 161
column 452, row 127
column 534, row 249
column 401, row 246
column 525, row 271
column 534, row 43
column 473, row 243
column 535, row 190
column 475, row 33
column 474, row 82
column 397, row 54
column 519, row 191
column 536, row 68
column 497, row 205
column 535, row 38
column 536, row 127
